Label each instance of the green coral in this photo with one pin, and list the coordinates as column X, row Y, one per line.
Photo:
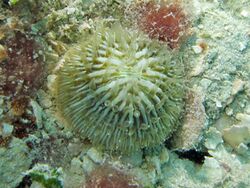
column 121, row 89
column 13, row 2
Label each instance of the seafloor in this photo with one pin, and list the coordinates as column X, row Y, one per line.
column 38, row 149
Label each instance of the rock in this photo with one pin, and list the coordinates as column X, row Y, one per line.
column 198, row 69
column 75, row 148
column 50, row 81
column 245, row 13
column 238, row 133
column 36, row 185
column 74, row 181
column 7, row 130
column 146, row 178
column 1, row 100
column 213, row 138
column 223, row 122
column 248, row 109
column 74, row 177
column 197, row 49
column 229, row 111
column 3, row 53
column 135, row 159
column 14, row 160
column 44, row 99
column 76, row 166
column 164, row 156
column 37, row 112
column 238, row 86
column 212, row 169
column 243, row 150
column 1, row 111
column 87, row 165
column 189, row 134
column 154, row 165
column 95, row 155
column 205, row 83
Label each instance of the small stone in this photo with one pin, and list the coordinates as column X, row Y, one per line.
column 45, row 135
column 244, row 118
column 59, row 47
column 205, row 83
column 213, row 138
column 198, row 69
column 243, row 46
column 72, row 180
column 76, row 166
column 197, row 49
column 245, row 13
column 242, row 149
column 44, row 99
column 1, row 101
column 154, row 164
column 2, row 34
column 134, row 159
column 70, row 10
column 15, row 160
column 229, row 111
column 200, row 26
column 239, row 133
column 87, row 165
column 211, row 57
column 1, row 111
column 223, row 122
column 50, row 81
column 247, row 86
column 74, row 148
column 84, row 26
column 95, row 155
column 218, row 103
column 238, row 86
column 69, row 135
column 7, row 129
column 248, row 109
column 3, row 53
column 76, row 140
column 212, row 164
column 37, row 112
column 36, row 185
column 236, row 135
column 142, row 176
column 164, row 156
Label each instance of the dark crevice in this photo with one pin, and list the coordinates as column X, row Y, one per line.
column 193, row 155
column 25, row 183
column 5, row 3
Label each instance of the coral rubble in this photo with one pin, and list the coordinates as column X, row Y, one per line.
column 164, row 20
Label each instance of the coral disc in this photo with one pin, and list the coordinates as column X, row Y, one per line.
column 121, row 89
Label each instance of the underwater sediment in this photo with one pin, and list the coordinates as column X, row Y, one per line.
column 205, row 46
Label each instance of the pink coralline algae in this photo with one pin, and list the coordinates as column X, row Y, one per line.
column 164, row 21
column 23, row 69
